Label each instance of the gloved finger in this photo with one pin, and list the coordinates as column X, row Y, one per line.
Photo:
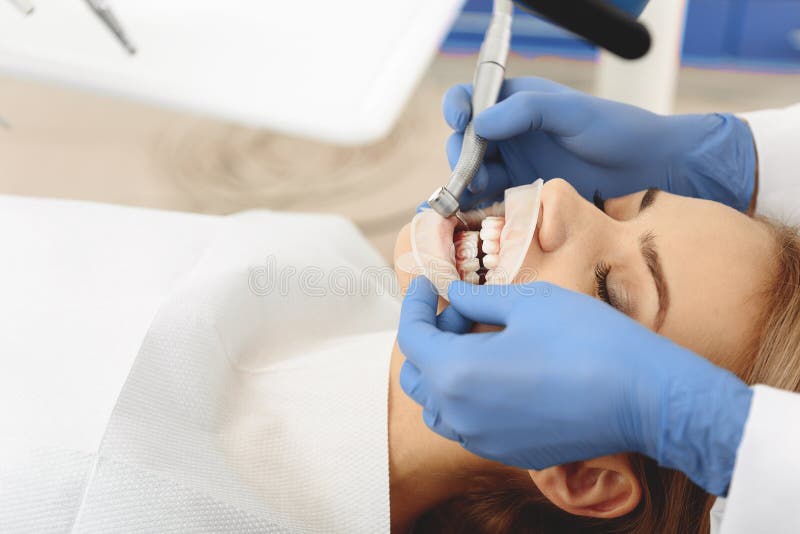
column 557, row 114
column 489, row 303
column 434, row 422
column 457, row 101
column 411, row 383
column 419, row 338
column 481, row 181
column 452, row 321
column 469, row 200
column 418, row 335
column 531, row 83
column 453, row 148
column 498, row 181
column 491, row 151
column 457, row 106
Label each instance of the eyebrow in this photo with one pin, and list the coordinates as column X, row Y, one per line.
column 650, row 255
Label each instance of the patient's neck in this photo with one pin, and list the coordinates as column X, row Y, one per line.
column 424, row 468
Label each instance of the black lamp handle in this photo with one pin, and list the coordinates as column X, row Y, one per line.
column 597, row 21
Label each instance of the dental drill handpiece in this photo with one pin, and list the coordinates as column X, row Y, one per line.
column 486, row 85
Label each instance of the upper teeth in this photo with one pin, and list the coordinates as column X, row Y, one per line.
column 478, row 251
column 491, row 228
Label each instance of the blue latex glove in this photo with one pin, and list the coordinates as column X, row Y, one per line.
column 542, row 129
column 569, row 378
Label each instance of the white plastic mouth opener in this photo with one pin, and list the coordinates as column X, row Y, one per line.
column 488, row 79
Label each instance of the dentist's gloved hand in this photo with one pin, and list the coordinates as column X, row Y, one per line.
column 569, row 378
column 540, row 129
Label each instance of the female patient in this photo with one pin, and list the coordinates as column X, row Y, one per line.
column 720, row 283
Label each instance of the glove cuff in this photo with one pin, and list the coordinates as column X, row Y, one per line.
column 720, row 165
column 702, row 425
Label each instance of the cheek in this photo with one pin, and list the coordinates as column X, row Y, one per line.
column 564, row 268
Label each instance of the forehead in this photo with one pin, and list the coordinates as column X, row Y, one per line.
column 717, row 263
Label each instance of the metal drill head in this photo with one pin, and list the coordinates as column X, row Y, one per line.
column 443, row 202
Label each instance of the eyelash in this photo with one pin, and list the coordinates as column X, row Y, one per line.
column 601, row 272
column 602, row 269
column 599, row 201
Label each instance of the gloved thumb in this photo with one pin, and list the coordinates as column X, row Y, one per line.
column 457, row 106
column 558, row 114
column 489, row 304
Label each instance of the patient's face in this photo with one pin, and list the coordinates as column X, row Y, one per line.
column 692, row 269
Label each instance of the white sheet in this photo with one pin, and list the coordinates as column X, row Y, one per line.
column 245, row 410
column 80, row 284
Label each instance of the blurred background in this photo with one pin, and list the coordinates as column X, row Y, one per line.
column 56, row 141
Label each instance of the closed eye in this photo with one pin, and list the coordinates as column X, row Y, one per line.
column 601, row 272
column 599, row 201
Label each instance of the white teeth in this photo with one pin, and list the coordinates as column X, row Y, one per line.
column 467, row 251
column 469, row 266
column 492, row 277
column 490, row 234
column 493, row 222
column 491, row 247
column 466, row 245
column 490, row 261
column 472, row 278
column 491, row 228
column 477, row 251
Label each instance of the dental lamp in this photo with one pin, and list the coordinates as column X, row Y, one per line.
column 597, row 21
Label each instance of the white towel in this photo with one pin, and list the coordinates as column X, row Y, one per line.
column 251, row 406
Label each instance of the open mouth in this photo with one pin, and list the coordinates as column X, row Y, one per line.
column 478, row 251
column 481, row 246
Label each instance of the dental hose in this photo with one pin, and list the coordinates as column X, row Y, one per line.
column 486, row 84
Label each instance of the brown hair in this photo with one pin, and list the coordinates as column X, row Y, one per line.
column 670, row 502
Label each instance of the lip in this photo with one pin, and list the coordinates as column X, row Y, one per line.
column 433, row 239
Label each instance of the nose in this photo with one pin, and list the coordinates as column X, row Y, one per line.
column 564, row 213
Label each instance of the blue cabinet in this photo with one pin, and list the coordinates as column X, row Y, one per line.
column 706, row 33
column 771, row 31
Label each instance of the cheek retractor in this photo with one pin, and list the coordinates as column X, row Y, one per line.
column 491, row 251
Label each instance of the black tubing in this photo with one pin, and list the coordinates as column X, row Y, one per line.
column 596, row 21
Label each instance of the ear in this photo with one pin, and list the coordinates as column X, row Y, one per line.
column 604, row 487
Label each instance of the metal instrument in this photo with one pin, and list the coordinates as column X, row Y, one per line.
column 486, row 85
column 594, row 20
column 25, row 6
column 102, row 9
